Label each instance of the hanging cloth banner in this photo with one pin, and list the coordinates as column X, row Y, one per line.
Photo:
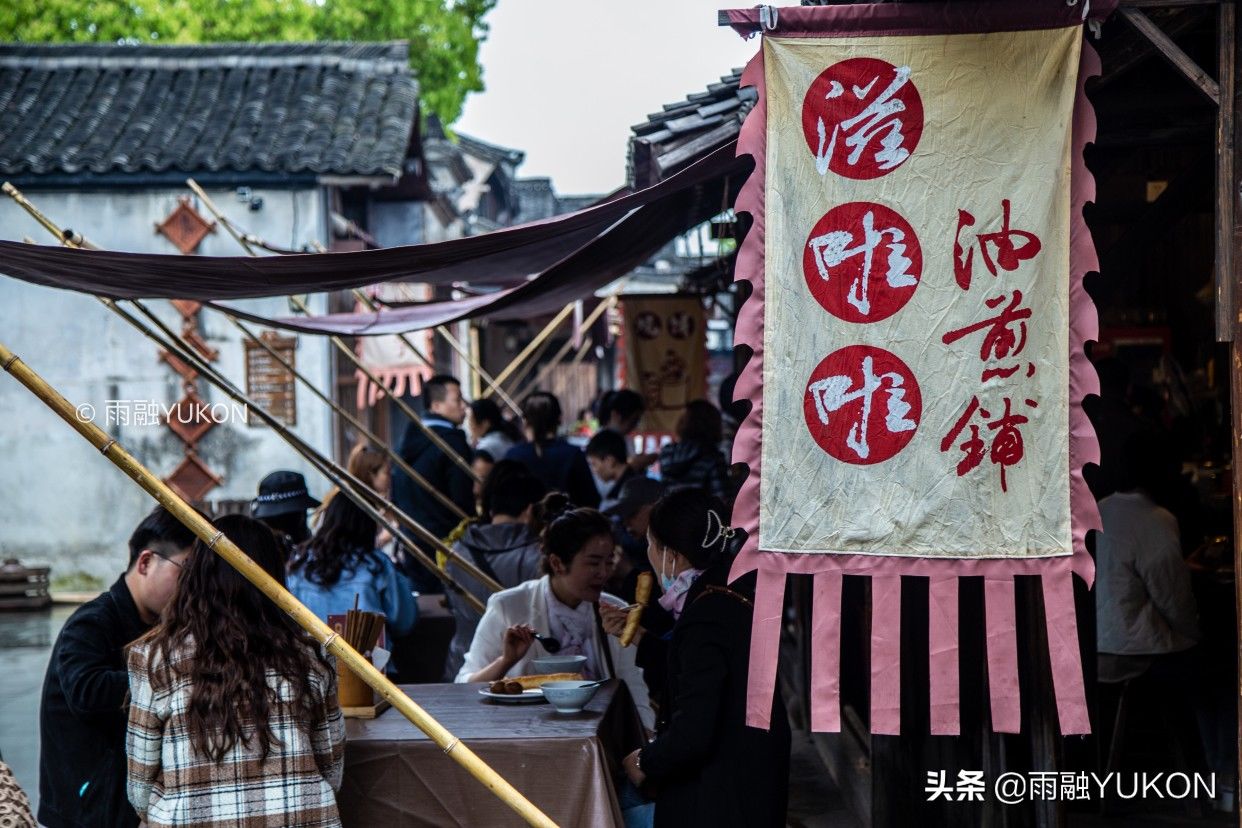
column 399, row 371
column 918, row 321
column 665, row 356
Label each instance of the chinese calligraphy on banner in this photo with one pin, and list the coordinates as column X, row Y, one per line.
column 665, row 355
column 927, row 316
column 918, row 320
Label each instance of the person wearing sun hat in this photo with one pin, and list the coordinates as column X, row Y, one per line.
column 282, row 505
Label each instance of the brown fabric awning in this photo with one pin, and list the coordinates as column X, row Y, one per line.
column 572, row 255
column 607, row 257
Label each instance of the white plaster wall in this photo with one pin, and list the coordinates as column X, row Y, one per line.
column 60, row 501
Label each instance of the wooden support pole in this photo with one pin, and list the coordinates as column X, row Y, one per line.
column 492, row 386
column 556, row 360
column 1226, row 185
column 373, row 504
column 252, row 572
column 535, row 343
column 355, row 489
column 336, row 341
column 559, row 356
column 476, row 385
column 374, row 438
column 1173, row 53
column 519, row 375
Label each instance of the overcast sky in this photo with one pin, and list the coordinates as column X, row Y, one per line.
column 566, row 79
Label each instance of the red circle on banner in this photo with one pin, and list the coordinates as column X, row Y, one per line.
column 862, row 118
column 862, row 405
column 647, row 325
column 862, row 262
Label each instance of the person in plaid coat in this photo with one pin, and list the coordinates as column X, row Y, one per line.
column 233, row 717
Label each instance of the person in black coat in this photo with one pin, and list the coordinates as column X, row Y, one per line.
column 82, row 717
column 559, row 464
column 445, row 412
column 695, row 459
column 705, row 766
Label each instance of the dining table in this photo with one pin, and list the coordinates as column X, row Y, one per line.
column 567, row 764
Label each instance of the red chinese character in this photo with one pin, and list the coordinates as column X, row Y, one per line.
column 862, row 405
column 1007, row 447
column 1001, row 340
column 862, row 117
column 1008, row 255
column 972, row 450
column 862, row 262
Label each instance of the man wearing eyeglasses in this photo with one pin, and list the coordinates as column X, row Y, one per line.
column 82, row 715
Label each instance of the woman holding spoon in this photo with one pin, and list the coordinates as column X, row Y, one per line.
column 578, row 558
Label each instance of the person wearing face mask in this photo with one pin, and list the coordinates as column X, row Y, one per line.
column 578, row 552
column 705, row 766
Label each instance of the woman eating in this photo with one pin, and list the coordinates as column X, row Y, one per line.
column 578, row 554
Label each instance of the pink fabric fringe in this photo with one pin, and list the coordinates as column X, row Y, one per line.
column 886, row 572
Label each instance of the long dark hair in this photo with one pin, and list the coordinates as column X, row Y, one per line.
column 343, row 541
column 233, row 635
column 696, row 524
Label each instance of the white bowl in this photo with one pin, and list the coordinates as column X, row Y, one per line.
column 569, row 696
column 560, row 664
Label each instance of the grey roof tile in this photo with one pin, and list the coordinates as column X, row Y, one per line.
column 332, row 108
column 658, row 146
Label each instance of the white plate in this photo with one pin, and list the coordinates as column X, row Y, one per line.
column 525, row 697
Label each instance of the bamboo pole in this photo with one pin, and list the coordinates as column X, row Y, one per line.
column 358, row 491
column 519, row 376
column 435, row 439
column 329, row 468
column 535, row 343
column 478, row 369
column 369, row 303
column 453, row 342
column 476, row 387
column 239, row 560
column 543, row 372
column 430, row 434
column 396, row 458
column 586, row 346
column 559, row 356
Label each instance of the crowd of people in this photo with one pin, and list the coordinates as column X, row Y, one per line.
column 184, row 697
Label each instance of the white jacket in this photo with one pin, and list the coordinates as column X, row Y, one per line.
column 527, row 603
column 1143, row 600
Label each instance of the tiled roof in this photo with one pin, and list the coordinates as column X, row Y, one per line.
column 536, row 199
column 489, row 152
column 687, row 130
column 326, row 108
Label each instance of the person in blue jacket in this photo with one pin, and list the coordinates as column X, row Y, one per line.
column 341, row 561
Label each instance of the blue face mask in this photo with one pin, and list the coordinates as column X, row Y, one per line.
column 674, row 597
column 666, row 578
